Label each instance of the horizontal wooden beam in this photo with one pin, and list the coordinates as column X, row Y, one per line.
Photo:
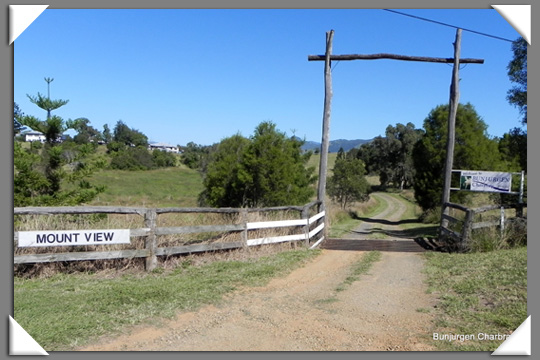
column 188, row 249
column 198, row 229
column 80, row 256
column 49, row 210
column 451, row 219
column 453, row 234
column 393, row 57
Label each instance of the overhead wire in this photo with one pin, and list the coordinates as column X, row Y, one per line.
column 449, row 25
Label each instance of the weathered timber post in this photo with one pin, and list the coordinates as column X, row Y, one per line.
column 454, row 102
column 244, row 217
column 321, row 195
column 150, row 217
column 467, row 230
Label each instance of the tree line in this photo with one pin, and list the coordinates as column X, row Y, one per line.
column 269, row 168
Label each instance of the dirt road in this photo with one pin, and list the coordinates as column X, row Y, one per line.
column 386, row 310
column 384, row 223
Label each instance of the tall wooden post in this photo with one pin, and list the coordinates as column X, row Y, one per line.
column 454, row 102
column 323, row 166
column 325, row 143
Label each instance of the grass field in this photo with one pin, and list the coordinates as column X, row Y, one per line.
column 167, row 187
column 479, row 293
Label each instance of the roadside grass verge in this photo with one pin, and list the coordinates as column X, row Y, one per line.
column 480, row 293
column 67, row 311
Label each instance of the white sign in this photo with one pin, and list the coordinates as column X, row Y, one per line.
column 73, row 237
column 486, row 181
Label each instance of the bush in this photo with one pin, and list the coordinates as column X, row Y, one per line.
column 162, row 158
column 133, row 158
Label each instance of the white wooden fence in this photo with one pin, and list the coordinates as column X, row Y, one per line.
column 306, row 228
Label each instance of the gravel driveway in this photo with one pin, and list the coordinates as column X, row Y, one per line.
column 388, row 309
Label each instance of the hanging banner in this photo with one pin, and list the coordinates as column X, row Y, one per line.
column 486, row 181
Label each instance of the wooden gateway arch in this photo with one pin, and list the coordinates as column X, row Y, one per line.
column 454, row 101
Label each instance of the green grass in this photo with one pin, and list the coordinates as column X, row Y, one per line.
column 168, row 187
column 479, row 293
column 66, row 311
column 345, row 221
column 315, row 159
column 411, row 225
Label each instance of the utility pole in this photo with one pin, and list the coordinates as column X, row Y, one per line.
column 453, row 106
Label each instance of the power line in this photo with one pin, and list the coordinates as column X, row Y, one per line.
column 452, row 26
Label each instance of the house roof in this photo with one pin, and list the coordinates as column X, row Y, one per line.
column 32, row 132
column 162, row 145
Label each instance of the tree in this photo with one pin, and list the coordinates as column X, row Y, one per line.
column 17, row 113
column 268, row 169
column 224, row 175
column 128, row 136
column 52, row 128
column 391, row 156
column 39, row 176
column 348, row 183
column 276, row 168
column 193, row 155
column 46, row 103
column 517, row 71
column 513, row 148
column 85, row 132
column 474, row 150
column 29, row 183
column 106, row 134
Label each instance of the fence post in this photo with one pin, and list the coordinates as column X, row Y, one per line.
column 150, row 217
column 502, row 221
column 244, row 217
column 305, row 216
column 467, row 229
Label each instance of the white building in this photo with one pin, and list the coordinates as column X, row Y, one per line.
column 32, row 136
column 163, row 147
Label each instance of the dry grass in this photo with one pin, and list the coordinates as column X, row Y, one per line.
column 113, row 221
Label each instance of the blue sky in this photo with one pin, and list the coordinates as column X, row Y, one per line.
column 181, row 75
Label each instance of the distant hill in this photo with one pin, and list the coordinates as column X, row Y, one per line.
column 335, row 145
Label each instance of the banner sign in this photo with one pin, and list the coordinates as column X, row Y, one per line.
column 73, row 237
column 486, row 181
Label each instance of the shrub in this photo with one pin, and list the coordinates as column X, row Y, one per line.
column 162, row 158
column 132, row 158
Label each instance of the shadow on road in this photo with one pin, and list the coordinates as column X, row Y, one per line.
column 417, row 245
column 411, row 233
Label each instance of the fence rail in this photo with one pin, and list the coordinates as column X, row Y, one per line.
column 310, row 228
column 466, row 224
